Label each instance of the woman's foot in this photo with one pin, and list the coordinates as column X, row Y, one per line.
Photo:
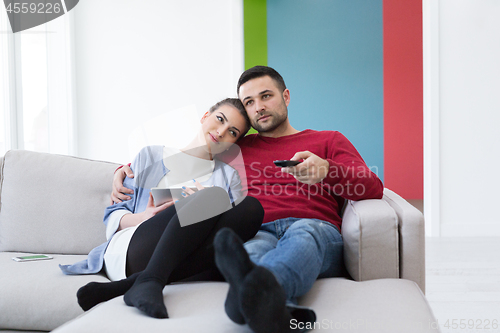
column 94, row 293
column 147, row 295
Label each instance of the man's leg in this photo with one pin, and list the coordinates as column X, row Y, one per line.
column 307, row 249
column 303, row 245
column 264, row 241
column 254, row 295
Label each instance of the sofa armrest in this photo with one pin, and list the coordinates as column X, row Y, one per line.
column 411, row 239
column 371, row 240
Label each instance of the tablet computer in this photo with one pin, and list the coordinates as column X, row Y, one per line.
column 162, row 195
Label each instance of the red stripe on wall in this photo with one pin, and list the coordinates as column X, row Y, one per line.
column 403, row 98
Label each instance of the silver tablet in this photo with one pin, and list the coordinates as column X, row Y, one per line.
column 162, row 195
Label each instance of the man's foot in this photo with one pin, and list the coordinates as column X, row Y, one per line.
column 94, row 293
column 232, row 307
column 233, row 262
column 303, row 315
column 147, row 295
column 255, row 297
column 263, row 303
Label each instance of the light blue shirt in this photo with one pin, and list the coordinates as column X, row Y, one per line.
column 149, row 168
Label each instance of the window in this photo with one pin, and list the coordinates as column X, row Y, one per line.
column 37, row 87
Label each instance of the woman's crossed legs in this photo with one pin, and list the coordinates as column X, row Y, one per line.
column 162, row 251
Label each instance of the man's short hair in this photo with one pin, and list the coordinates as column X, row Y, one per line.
column 260, row 71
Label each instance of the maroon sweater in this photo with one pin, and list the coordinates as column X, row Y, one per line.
column 283, row 196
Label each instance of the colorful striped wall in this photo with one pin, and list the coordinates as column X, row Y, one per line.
column 403, row 98
column 354, row 66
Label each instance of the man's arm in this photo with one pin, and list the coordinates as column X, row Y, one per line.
column 356, row 182
column 128, row 215
column 310, row 171
column 119, row 192
column 344, row 170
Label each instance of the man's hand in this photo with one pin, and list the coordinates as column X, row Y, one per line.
column 119, row 192
column 311, row 171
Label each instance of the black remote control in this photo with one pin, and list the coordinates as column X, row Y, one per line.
column 285, row 163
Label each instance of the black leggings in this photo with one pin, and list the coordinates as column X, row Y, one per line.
column 177, row 252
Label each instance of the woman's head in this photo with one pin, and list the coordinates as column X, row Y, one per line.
column 235, row 103
column 224, row 124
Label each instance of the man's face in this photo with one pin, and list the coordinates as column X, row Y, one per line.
column 265, row 104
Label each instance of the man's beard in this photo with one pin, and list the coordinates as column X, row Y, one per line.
column 269, row 126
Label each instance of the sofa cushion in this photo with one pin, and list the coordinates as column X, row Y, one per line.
column 36, row 295
column 376, row 306
column 192, row 307
column 53, row 203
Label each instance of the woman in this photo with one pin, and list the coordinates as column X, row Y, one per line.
column 150, row 246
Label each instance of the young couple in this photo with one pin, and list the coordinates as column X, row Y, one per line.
column 270, row 246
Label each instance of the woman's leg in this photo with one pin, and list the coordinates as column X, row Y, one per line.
column 180, row 240
column 144, row 243
column 245, row 219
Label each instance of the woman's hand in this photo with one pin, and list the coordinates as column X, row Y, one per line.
column 131, row 220
column 187, row 191
column 151, row 210
column 118, row 193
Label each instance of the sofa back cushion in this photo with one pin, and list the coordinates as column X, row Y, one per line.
column 52, row 203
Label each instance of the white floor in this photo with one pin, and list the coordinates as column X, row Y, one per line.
column 463, row 283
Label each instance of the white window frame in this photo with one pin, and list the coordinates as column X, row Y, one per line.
column 61, row 93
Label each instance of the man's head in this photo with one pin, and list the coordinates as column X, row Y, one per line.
column 263, row 92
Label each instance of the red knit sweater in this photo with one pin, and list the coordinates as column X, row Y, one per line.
column 283, row 196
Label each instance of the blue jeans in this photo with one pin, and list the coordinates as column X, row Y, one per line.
column 298, row 251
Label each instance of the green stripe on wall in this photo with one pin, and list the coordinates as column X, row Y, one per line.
column 255, row 32
column 255, row 35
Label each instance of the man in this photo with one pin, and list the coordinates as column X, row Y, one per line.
column 299, row 239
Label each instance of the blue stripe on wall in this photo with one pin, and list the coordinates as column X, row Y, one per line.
column 330, row 53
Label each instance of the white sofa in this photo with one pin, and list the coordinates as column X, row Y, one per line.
column 53, row 204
